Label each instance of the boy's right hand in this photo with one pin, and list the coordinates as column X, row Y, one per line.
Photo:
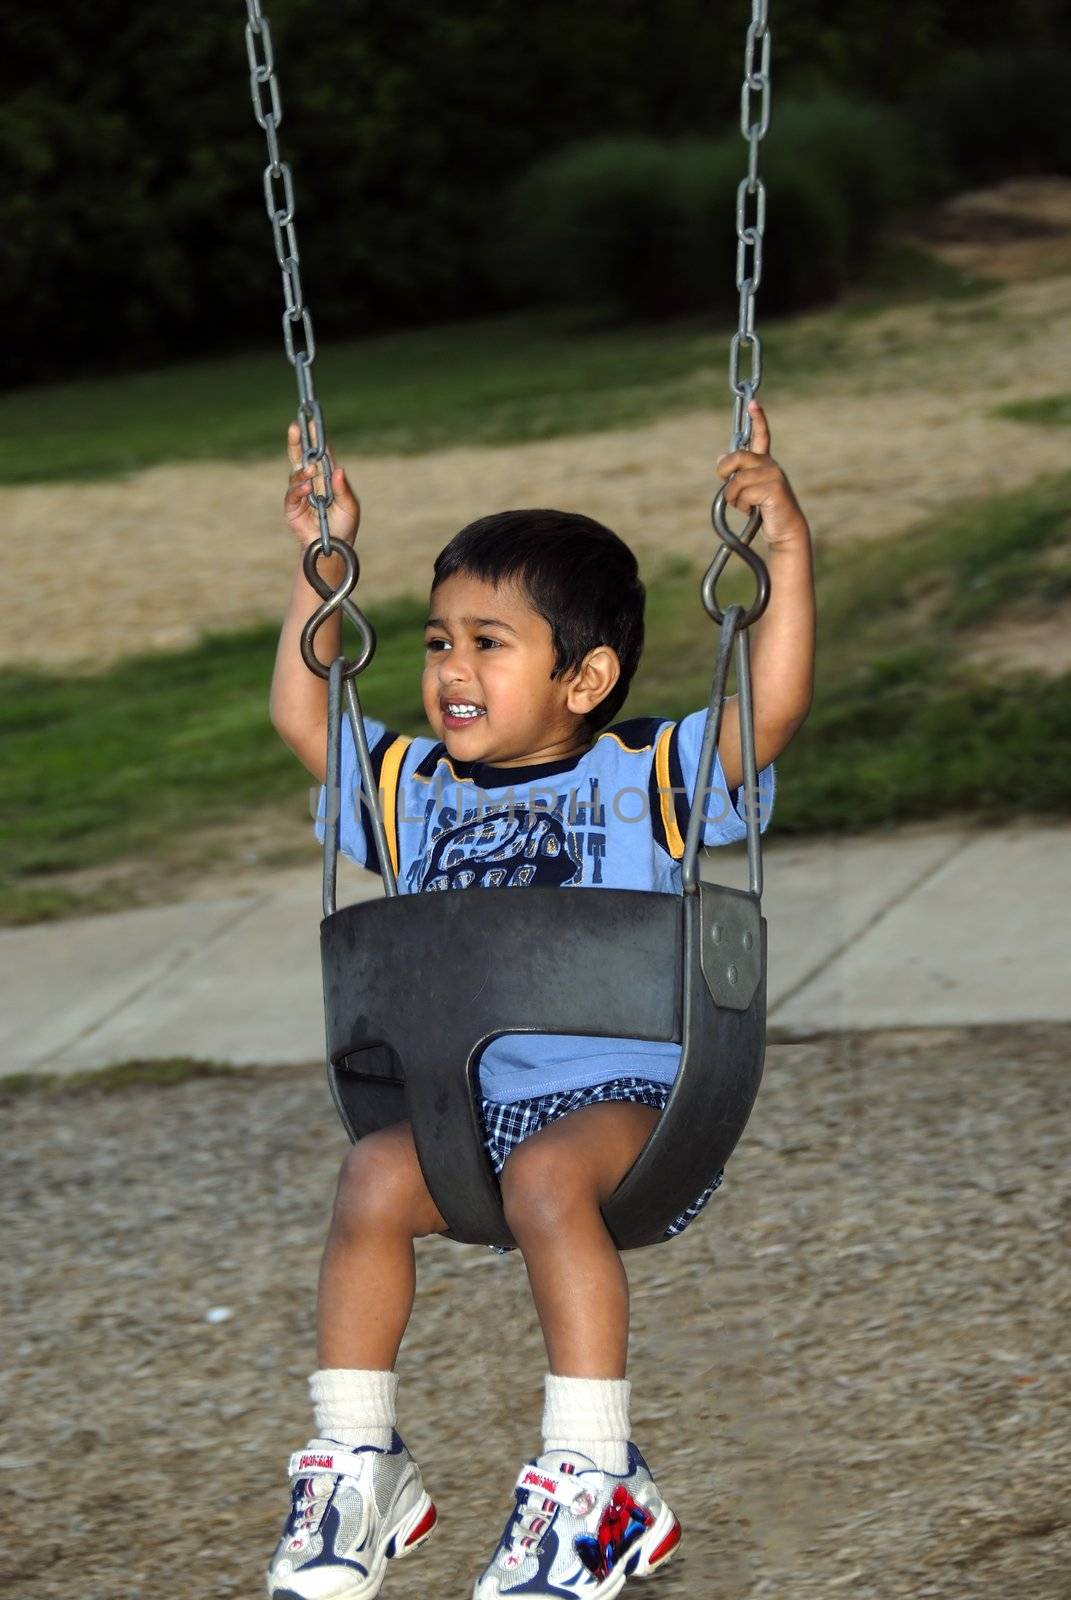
column 344, row 513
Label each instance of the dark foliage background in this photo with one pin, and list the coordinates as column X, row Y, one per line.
column 131, row 222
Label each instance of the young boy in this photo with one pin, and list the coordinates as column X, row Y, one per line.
column 534, row 633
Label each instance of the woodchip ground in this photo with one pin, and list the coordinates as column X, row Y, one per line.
column 851, row 1375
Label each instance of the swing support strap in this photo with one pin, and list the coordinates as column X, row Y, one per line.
column 731, row 629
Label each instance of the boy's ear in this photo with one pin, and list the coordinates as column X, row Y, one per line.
column 593, row 679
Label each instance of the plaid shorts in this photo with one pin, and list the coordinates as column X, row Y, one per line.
column 506, row 1125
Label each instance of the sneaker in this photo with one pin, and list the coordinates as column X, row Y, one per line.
column 579, row 1531
column 351, row 1511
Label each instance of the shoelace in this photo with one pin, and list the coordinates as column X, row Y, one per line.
column 535, row 1515
column 533, row 1520
column 310, row 1501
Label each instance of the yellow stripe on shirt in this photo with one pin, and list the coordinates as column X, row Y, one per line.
column 389, row 775
column 674, row 837
column 630, row 749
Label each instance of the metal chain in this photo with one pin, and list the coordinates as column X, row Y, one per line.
column 750, row 231
column 735, row 621
column 279, row 202
column 342, row 674
column 749, row 234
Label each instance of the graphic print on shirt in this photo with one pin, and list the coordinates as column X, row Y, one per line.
column 510, row 848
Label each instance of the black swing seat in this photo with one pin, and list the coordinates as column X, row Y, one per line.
column 415, row 986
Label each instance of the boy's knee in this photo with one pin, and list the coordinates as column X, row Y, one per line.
column 542, row 1190
column 381, row 1185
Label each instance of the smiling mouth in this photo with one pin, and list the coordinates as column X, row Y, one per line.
column 457, row 713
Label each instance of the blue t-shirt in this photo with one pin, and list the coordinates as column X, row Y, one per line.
column 613, row 817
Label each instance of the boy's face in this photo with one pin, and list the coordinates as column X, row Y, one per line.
column 487, row 685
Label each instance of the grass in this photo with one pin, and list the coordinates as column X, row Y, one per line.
column 902, row 728
column 1052, row 411
column 166, row 1073
column 499, row 381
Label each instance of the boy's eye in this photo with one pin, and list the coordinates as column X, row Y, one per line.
column 483, row 642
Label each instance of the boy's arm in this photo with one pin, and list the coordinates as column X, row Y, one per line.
column 298, row 703
column 783, row 640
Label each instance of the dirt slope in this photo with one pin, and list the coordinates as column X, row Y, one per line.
column 903, row 426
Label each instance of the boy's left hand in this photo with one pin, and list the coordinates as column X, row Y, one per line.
column 757, row 480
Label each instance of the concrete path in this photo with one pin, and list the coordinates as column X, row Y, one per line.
column 917, row 928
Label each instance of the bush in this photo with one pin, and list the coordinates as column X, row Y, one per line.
column 866, row 156
column 992, row 117
column 648, row 226
column 597, row 222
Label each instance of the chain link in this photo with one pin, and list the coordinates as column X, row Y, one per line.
column 749, row 233
column 299, row 339
column 746, row 343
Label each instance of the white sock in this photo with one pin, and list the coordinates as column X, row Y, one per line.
column 589, row 1415
column 354, row 1405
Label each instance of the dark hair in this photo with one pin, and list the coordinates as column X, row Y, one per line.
column 577, row 574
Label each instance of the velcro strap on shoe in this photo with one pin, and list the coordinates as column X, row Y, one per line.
column 562, row 1487
column 307, row 1461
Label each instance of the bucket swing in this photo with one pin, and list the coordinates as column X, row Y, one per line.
column 688, row 969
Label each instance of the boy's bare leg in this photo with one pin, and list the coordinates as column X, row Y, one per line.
column 553, row 1185
column 368, row 1273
